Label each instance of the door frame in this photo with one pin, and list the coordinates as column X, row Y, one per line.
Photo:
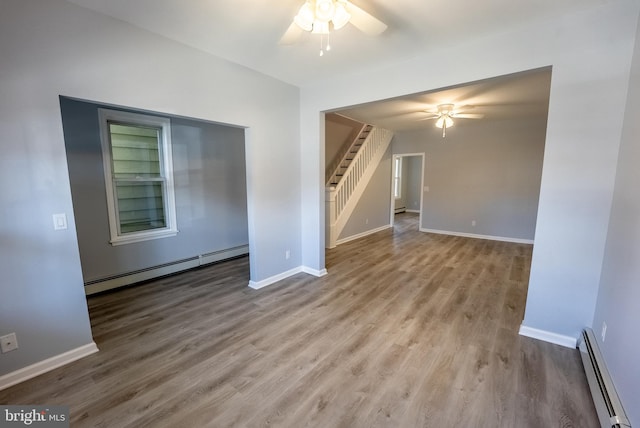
column 393, row 170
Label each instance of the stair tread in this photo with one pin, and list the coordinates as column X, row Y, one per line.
column 353, row 151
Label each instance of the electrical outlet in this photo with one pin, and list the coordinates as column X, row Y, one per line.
column 473, row 223
column 604, row 330
column 366, row 221
column 59, row 221
column 9, row 343
column 287, row 254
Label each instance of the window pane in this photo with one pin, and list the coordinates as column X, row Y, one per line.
column 138, row 173
column 134, row 151
column 140, row 206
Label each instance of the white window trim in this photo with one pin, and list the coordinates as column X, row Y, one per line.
column 171, row 229
column 397, row 177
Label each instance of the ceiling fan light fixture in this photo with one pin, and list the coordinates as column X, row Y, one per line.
column 443, row 121
column 341, row 17
column 305, row 17
column 325, row 9
column 320, row 27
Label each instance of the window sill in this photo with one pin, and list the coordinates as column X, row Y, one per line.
column 139, row 237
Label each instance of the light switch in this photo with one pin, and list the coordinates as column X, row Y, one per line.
column 59, row 221
column 426, row 188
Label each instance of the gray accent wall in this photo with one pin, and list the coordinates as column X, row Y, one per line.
column 618, row 302
column 487, row 171
column 373, row 209
column 412, row 185
column 52, row 48
column 210, row 191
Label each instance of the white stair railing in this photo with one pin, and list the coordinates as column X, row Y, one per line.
column 342, row 198
column 345, row 157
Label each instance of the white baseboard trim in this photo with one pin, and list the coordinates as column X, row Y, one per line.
column 256, row 285
column 363, row 234
column 547, row 336
column 168, row 269
column 314, row 272
column 414, row 211
column 473, row 235
column 47, row 365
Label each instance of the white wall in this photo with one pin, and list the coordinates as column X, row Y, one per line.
column 619, row 299
column 590, row 53
column 51, row 48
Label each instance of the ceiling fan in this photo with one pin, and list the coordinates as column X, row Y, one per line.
column 445, row 114
column 322, row 16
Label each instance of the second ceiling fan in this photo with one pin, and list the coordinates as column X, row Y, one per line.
column 445, row 113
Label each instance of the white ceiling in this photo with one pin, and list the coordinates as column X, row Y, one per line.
column 514, row 96
column 247, row 32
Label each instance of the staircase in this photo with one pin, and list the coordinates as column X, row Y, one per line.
column 350, row 178
column 349, row 155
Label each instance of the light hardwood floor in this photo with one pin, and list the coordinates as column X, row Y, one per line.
column 408, row 330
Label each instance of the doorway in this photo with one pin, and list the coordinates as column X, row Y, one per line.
column 407, row 184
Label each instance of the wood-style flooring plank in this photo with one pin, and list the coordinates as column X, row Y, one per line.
column 408, row 329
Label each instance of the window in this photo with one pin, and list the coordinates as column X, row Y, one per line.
column 136, row 151
column 397, row 177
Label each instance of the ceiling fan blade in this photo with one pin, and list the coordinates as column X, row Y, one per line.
column 430, row 117
column 468, row 115
column 364, row 21
column 464, row 108
column 292, row 35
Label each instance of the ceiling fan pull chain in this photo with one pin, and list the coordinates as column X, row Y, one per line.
column 327, row 46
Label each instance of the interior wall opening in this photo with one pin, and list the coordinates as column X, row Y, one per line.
column 207, row 174
column 484, row 142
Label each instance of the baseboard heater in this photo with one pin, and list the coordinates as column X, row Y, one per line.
column 605, row 397
column 104, row 284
